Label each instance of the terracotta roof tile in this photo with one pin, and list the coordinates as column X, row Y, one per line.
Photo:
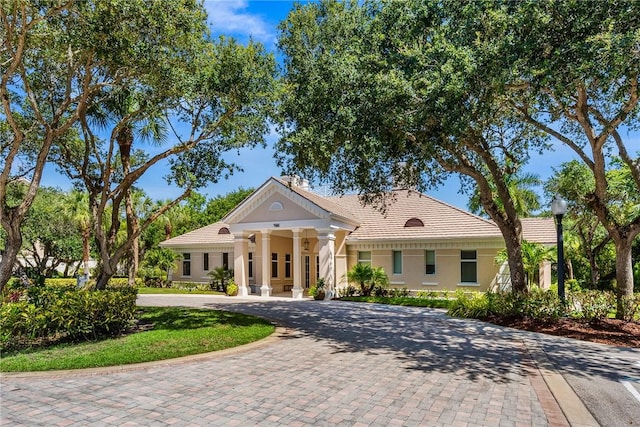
column 202, row 236
column 441, row 221
column 539, row 230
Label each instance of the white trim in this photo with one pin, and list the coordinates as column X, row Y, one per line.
column 429, row 283
column 397, row 283
column 471, row 284
column 454, row 243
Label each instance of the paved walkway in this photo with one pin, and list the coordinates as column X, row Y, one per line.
column 330, row 363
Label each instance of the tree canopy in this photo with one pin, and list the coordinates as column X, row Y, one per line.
column 79, row 84
column 380, row 89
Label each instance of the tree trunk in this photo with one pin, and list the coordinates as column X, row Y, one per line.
column 86, row 247
column 624, row 276
column 513, row 243
column 10, row 254
column 570, row 268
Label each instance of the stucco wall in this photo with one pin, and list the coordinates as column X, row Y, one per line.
column 447, row 268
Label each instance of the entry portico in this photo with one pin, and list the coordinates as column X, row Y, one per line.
column 283, row 220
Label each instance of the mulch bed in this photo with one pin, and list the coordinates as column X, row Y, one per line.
column 606, row 331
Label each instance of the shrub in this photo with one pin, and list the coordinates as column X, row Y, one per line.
column 347, row 291
column 51, row 314
column 190, row 286
column 538, row 304
column 591, row 305
column 632, row 305
column 232, row 289
column 469, row 306
column 399, row 292
column 380, row 291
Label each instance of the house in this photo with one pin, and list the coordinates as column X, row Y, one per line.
column 283, row 238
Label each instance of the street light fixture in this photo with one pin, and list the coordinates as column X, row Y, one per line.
column 559, row 208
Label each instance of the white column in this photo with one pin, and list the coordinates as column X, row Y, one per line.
column 326, row 243
column 240, row 264
column 297, row 291
column 265, row 289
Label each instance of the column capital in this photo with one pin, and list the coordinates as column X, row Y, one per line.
column 326, row 234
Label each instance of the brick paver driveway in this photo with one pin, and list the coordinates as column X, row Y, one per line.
column 333, row 363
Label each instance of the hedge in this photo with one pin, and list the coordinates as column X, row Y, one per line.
column 50, row 314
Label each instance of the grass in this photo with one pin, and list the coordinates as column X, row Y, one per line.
column 176, row 291
column 176, row 332
column 406, row 301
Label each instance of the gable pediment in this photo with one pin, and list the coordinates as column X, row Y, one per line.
column 274, row 201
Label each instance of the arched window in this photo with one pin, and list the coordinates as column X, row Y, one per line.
column 276, row 206
column 224, row 230
column 414, row 222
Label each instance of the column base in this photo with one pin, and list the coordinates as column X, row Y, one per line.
column 265, row 291
column 297, row 293
column 243, row 291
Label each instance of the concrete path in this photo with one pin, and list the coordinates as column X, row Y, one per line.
column 330, row 363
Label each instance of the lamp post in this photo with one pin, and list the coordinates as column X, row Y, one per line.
column 559, row 208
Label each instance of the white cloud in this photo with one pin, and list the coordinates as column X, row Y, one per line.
column 229, row 17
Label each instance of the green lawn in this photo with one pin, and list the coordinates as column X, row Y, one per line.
column 175, row 291
column 175, row 332
column 406, row 301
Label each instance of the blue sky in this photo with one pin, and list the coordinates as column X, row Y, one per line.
column 259, row 19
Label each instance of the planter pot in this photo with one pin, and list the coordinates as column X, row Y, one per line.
column 319, row 296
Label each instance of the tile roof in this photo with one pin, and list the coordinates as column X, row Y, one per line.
column 204, row 236
column 325, row 203
column 441, row 220
column 539, row 230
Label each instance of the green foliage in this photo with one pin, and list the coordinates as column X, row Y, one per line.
column 220, row 277
column 49, row 235
column 591, row 305
column 368, row 278
column 173, row 332
column 317, row 291
column 537, row 304
column 533, row 255
column 190, row 285
column 347, row 291
column 232, row 289
column 51, row 314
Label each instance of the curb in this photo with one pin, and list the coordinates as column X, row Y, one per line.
column 576, row 413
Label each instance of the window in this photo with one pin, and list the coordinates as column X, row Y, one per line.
column 225, row 260
column 397, row 262
column 287, row 265
column 205, row 262
column 274, row 264
column 429, row 262
column 364, row 257
column 276, row 206
column 468, row 267
column 317, row 267
column 307, row 269
column 186, row 264
column 251, row 265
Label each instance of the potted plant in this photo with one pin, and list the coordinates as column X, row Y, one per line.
column 317, row 291
column 232, row 288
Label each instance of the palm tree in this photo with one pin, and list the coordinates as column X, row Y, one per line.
column 361, row 274
column 533, row 255
column 133, row 119
column 220, row 276
column 522, row 190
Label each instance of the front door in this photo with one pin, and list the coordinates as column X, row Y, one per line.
column 307, row 271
